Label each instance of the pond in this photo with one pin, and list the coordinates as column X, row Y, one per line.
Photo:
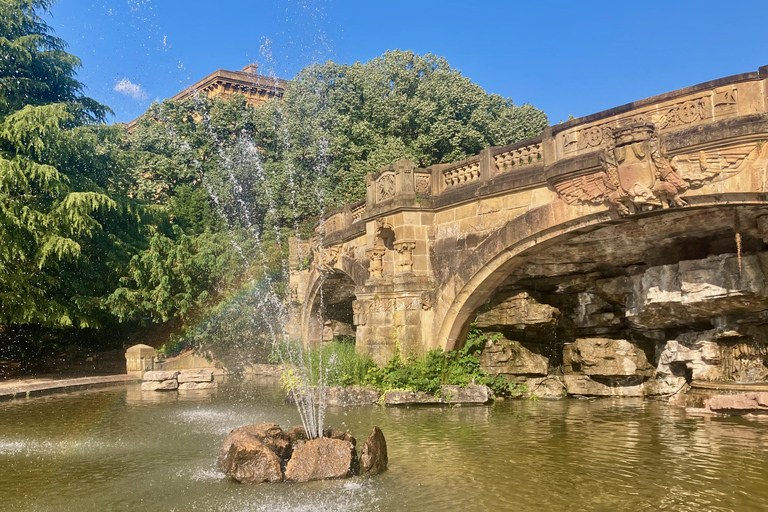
column 121, row 449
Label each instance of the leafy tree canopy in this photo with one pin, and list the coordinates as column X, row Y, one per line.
column 55, row 179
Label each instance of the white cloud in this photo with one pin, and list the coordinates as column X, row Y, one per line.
column 131, row 89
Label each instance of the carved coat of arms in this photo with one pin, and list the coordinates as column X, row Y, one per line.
column 635, row 175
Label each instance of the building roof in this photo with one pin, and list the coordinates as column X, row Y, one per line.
column 256, row 88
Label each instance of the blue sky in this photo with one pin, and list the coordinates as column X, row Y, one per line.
column 563, row 57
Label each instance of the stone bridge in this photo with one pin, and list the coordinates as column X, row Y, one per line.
column 643, row 223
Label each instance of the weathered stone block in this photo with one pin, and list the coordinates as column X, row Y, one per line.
column 605, row 357
column 196, row 375
column 511, row 358
column 410, row 397
column 160, row 385
column 321, row 459
column 193, row 386
column 695, row 351
column 606, row 386
column 541, row 387
column 450, row 394
column 745, row 403
column 697, row 290
column 160, row 375
column 268, row 434
column 250, row 461
column 520, row 311
column 472, row 394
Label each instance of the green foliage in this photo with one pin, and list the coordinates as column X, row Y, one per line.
column 438, row 367
column 65, row 226
column 167, row 223
column 338, row 364
column 35, row 69
column 350, row 120
column 334, row 364
column 174, row 276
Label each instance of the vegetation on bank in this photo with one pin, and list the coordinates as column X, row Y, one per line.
column 173, row 224
column 338, row 364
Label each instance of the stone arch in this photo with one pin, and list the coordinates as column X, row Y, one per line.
column 347, row 270
column 478, row 275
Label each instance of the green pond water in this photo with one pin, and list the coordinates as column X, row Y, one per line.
column 118, row 449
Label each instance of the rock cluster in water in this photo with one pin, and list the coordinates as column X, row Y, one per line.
column 184, row 380
column 265, row 453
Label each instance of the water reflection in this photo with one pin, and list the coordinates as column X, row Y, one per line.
column 118, row 449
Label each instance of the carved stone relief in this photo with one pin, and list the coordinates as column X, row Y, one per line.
column 422, row 184
column 326, row 257
column 385, row 187
column 686, row 113
column 713, row 165
column 376, row 256
column 359, row 313
column 726, row 102
column 405, row 248
column 635, row 176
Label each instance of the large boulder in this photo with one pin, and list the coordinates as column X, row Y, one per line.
column 247, row 460
column 373, row 457
column 322, row 459
column 605, row 357
column 268, row 434
column 520, row 311
column 511, row 358
column 696, row 291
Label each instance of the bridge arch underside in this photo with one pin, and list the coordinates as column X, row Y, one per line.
column 331, row 314
column 669, row 283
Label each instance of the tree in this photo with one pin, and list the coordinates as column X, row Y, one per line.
column 52, row 202
column 237, row 180
column 349, row 120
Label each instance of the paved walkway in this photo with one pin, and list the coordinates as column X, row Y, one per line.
column 25, row 387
